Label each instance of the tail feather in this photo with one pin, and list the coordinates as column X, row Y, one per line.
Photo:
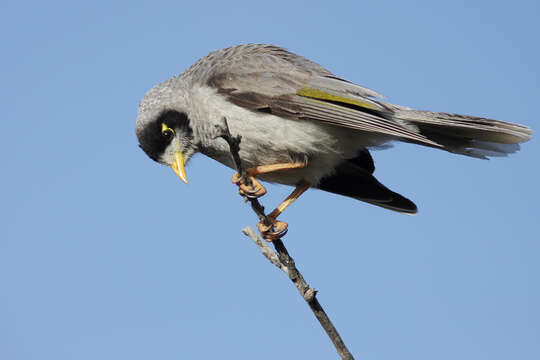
column 467, row 135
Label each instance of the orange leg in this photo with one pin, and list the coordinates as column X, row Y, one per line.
column 299, row 190
column 264, row 169
column 256, row 190
column 277, row 229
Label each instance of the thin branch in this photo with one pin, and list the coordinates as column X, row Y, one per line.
column 234, row 144
column 265, row 249
column 282, row 259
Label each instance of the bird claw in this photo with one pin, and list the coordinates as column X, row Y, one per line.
column 276, row 230
column 256, row 190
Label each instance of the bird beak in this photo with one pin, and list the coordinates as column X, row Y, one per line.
column 178, row 166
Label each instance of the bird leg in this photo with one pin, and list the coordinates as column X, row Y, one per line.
column 252, row 188
column 276, row 229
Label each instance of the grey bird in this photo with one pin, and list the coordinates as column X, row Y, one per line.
column 300, row 124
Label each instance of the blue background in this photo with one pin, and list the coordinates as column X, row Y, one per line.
column 105, row 254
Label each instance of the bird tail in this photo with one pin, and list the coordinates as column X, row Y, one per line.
column 466, row 135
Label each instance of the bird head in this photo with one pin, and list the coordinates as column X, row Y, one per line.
column 164, row 133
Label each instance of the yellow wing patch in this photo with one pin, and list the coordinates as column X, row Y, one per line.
column 323, row 95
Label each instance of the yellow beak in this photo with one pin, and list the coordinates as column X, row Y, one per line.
column 178, row 166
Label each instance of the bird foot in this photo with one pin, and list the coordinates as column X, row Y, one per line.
column 276, row 230
column 256, row 190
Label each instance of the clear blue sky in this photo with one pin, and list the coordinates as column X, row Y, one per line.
column 107, row 255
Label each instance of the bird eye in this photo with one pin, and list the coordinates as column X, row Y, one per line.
column 167, row 132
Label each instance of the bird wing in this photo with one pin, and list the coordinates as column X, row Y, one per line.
column 272, row 80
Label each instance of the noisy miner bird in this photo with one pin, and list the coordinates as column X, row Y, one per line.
column 300, row 125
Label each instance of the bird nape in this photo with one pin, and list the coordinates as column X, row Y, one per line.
column 300, row 125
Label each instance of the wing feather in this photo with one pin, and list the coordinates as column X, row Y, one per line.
column 295, row 97
column 354, row 119
column 270, row 79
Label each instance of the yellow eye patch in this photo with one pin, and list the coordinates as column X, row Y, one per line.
column 165, row 128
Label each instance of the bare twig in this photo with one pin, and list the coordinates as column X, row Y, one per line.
column 282, row 259
column 265, row 249
column 234, row 144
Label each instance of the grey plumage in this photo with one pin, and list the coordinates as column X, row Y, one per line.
column 289, row 109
